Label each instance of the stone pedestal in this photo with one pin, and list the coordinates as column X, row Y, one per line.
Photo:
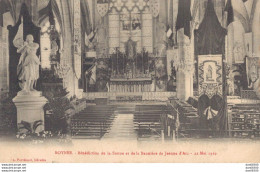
column 91, row 54
column 79, row 93
column 30, row 107
column 184, row 85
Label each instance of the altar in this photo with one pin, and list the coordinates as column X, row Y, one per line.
column 131, row 84
column 130, row 70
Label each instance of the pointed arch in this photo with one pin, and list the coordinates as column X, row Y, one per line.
column 43, row 13
column 252, row 15
column 243, row 21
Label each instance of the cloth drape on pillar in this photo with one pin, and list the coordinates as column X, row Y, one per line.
column 86, row 21
column 4, row 7
column 49, row 11
column 210, row 39
column 184, row 16
column 229, row 10
column 210, row 36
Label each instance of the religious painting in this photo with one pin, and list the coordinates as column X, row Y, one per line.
column 136, row 22
column 125, row 22
column 253, row 73
column 209, row 72
column 210, row 75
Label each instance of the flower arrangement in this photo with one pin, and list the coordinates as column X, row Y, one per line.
column 32, row 132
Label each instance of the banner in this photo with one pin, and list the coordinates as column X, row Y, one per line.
column 155, row 7
column 102, row 7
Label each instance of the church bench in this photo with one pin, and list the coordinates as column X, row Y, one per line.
column 96, row 112
column 145, row 120
column 93, row 120
column 104, row 115
column 147, row 117
column 93, row 115
column 83, row 121
column 88, row 126
column 85, row 137
column 147, row 127
column 150, row 109
column 92, row 130
column 152, row 112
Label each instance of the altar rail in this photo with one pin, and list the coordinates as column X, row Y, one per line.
column 158, row 96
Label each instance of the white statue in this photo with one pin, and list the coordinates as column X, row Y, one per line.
column 28, row 66
column 239, row 52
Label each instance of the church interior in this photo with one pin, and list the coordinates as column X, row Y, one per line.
column 150, row 70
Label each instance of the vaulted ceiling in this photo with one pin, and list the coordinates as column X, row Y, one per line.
column 243, row 11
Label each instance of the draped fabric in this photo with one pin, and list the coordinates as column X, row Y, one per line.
column 210, row 39
column 49, row 11
column 184, row 16
column 203, row 103
column 4, row 7
column 86, row 21
column 229, row 10
column 220, row 120
column 210, row 36
column 217, row 105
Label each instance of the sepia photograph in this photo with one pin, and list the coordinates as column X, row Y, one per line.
column 129, row 81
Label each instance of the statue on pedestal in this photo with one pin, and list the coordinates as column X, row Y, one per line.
column 28, row 66
column 29, row 102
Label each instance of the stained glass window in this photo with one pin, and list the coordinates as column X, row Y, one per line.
column 130, row 20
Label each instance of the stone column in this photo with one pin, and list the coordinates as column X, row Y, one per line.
column 77, row 46
column 67, row 51
column 185, row 67
column 4, row 54
column 1, row 62
column 30, row 108
column 229, row 47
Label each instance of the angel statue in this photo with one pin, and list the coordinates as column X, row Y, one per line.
column 28, row 66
